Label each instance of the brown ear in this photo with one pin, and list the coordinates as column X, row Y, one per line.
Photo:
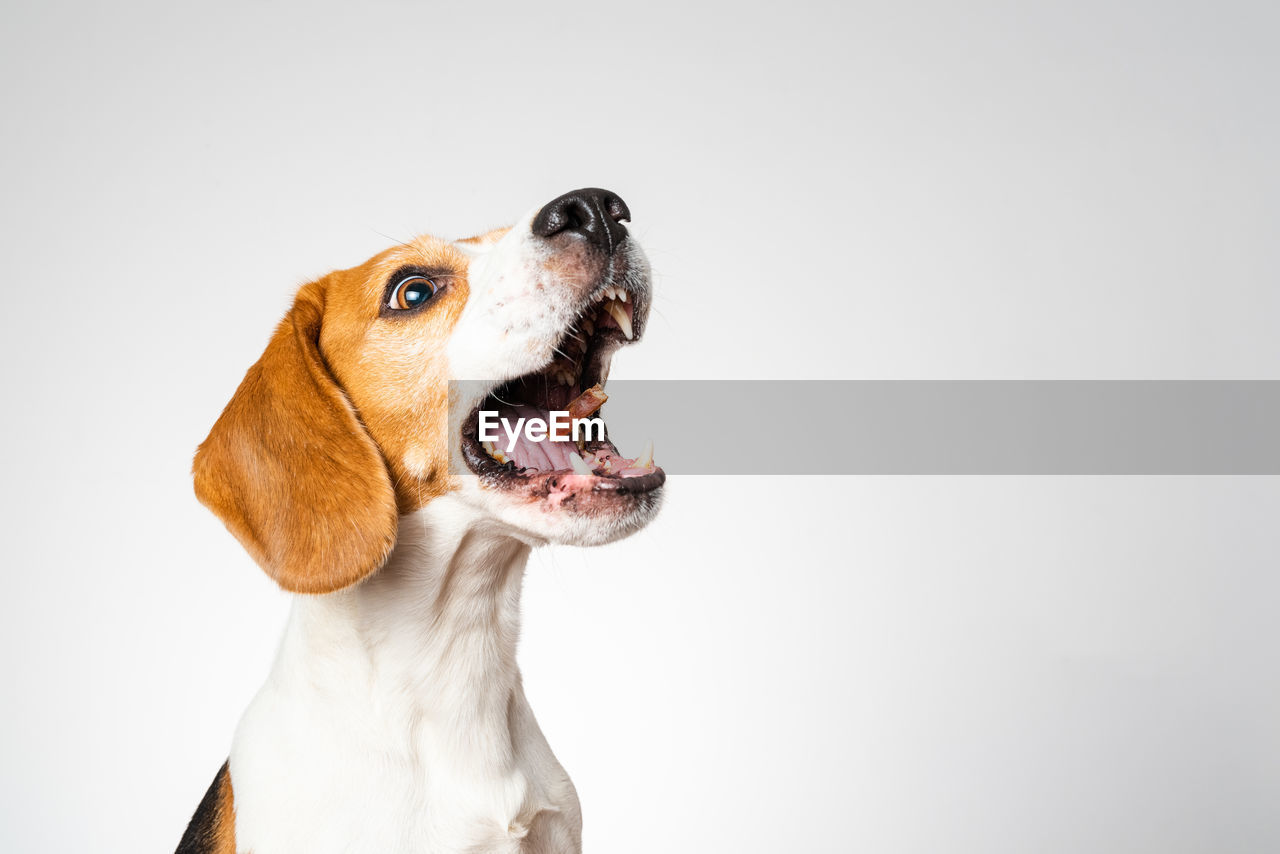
column 291, row 471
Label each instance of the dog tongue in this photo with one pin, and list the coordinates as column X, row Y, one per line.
column 554, row 456
column 545, row 456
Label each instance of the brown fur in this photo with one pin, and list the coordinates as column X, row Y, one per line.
column 339, row 428
column 213, row 827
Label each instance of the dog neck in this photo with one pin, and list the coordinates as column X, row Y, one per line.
column 438, row 626
column 418, row 663
column 442, row 619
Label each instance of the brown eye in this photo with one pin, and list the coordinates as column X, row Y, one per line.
column 411, row 292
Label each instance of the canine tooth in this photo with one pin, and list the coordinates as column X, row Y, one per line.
column 646, row 456
column 620, row 315
column 579, row 467
column 622, row 294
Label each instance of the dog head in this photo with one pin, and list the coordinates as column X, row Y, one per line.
column 364, row 406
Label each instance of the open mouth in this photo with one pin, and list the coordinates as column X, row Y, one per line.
column 583, row 463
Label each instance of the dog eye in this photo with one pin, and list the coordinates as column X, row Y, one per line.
column 411, row 292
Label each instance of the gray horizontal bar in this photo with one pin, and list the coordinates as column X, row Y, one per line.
column 951, row 427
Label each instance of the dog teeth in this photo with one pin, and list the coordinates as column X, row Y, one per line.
column 495, row 453
column 619, row 314
column 613, row 292
column 578, row 465
column 645, row 460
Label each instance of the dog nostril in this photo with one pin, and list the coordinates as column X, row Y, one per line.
column 594, row 214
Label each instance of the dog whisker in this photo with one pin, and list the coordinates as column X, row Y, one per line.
column 417, row 250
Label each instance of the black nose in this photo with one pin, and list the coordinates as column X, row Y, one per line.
column 594, row 213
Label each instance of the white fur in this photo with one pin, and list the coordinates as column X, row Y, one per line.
column 394, row 714
column 520, row 305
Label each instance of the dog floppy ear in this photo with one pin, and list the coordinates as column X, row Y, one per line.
column 291, row 471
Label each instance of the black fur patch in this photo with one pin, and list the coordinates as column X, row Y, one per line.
column 202, row 833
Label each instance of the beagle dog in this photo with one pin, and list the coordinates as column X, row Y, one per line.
column 349, row 466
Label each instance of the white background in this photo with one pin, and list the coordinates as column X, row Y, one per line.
column 887, row 190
